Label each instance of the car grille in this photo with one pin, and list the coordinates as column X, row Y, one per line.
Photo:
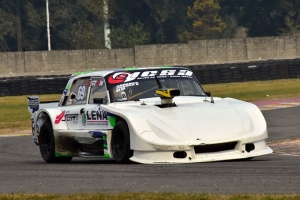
column 210, row 148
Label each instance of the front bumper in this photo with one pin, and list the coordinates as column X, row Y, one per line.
column 189, row 156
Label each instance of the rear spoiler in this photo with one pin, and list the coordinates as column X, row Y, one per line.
column 34, row 104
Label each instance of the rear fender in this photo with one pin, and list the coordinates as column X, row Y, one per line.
column 56, row 116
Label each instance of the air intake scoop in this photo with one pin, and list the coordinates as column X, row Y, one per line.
column 167, row 95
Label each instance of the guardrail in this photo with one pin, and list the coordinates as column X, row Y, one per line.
column 206, row 74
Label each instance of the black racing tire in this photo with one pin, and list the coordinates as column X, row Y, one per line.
column 120, row 143
column 47, row 145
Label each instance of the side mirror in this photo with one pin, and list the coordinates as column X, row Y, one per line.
column 208, row 94
column 98, row 100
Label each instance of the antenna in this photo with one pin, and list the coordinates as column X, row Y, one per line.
column 212, row 100
column 158, row 82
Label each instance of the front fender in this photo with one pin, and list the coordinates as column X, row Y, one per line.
column 143, row 131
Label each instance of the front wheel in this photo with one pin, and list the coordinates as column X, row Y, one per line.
column 47, row 145
column 120, row 143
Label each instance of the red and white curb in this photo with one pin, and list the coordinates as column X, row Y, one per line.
column 286, row 147
column 277, row 104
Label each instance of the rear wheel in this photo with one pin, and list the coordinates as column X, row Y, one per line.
column 120, row 143
column 47, row 145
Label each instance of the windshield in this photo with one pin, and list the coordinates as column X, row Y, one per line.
column 145, row 86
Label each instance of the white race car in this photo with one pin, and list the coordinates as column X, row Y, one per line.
column 145, row 115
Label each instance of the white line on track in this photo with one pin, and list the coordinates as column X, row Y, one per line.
column 14, row 135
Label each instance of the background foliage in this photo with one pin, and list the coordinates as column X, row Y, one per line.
column 79, row 24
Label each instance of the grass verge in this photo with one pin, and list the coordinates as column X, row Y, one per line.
column 15, row 117
column 257, row 90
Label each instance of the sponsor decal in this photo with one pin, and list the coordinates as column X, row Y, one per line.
column 105, row 142
column 62, row 98
column 98, row 117
column 95, row 83
column 96, row 134
column 123, row 77
column 33, row 103
column 119, row 77
column 122, row 87
column 84, row 119
column 59, row 117
column 111, row 119
column 71, row 117
column 99, row 134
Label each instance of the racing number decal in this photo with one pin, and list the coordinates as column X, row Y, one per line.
column 124, row 97
column 81, row 92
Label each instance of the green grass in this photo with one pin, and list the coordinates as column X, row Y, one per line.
column 14, row 115
column 257, row 90
column 146, row 196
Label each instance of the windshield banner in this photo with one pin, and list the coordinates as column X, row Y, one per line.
column 127, row 76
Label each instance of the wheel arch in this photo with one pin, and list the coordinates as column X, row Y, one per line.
column 121, row 130
column 117, row 119
column 50, row 115
column 134, row 124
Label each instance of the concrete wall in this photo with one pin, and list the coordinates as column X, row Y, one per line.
column 59, row 62
column 191, row 53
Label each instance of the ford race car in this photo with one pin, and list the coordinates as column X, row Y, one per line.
column 146, row 115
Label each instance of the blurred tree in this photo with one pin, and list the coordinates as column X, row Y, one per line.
column 76, row 24
column 163, row 20
column 260, row 17
column 33, row 23
column 79, row 24
column 18, row 24
column 291, row 16
column 127, row 37
column 8, row 26
column 206, row 22
column 7, row 30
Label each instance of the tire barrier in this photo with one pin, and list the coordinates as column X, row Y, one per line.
column 206, row 74
column 32, row 85
column 248, row 71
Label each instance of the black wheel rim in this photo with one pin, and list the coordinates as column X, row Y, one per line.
column 46, row 144
column 119, row 144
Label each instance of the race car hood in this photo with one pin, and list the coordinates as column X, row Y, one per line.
column 196, row 120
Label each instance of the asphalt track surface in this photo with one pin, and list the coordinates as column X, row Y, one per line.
column 23, row 170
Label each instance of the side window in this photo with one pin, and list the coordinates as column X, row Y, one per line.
column 98, row 93
column 78, row 92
